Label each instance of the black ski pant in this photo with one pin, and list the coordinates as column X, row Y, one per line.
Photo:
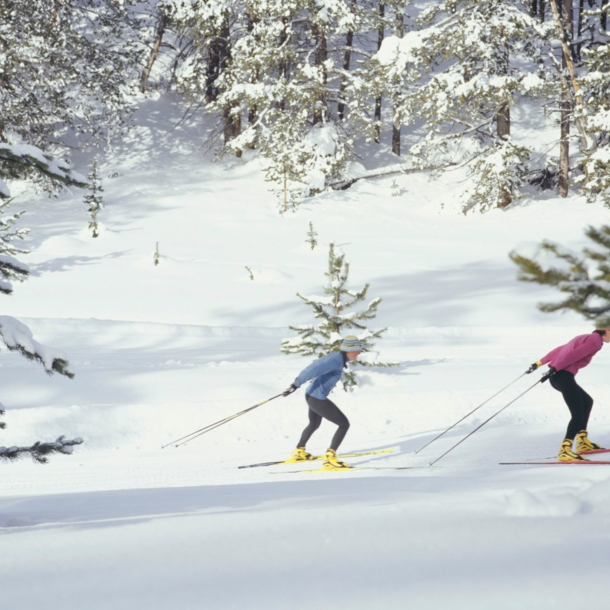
column 578, row 401
column 326, row 409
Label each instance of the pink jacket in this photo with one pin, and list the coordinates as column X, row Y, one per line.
column 574, row 355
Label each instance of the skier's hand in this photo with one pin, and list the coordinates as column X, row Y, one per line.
column 534, row 367
column 550, row 373
column 290, row 390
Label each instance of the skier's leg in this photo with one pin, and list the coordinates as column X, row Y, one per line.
column 314, row 423
column 564, row 382
column 583, row 443
column 587, row 403
column 330, row 411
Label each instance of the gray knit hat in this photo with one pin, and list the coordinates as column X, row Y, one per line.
column 351, row 343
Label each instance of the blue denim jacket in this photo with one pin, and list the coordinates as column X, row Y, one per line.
column 325, row 372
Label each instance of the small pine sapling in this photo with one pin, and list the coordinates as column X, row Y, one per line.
column 395, row 189
column 93, row 199
column 311, row 236
column 156, row 255
column 585, row 277
column 336, row 319
column 250, row 272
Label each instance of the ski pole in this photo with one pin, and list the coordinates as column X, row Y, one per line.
column 208, row 428
column 486, row 421
column 469, row 414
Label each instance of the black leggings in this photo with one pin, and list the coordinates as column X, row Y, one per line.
column 578, row 401
column 326, row 409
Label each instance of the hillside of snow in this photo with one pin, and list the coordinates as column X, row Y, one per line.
column 162, row 350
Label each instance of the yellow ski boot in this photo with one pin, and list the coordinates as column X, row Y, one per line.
column 332, row 463
column 566, row 454
column 300, row 455
column 583, row 444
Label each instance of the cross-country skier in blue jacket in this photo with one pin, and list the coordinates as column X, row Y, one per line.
column 325, row 373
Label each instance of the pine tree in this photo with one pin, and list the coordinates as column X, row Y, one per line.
column 334, row 311
column 65, row 70
column 460, row 73
column 595, row 114
column 93, row 200
column 11, row 269
column 585, row 277
column 280, row 69
column 311, row 236
column 18, row 337
column 28, row 162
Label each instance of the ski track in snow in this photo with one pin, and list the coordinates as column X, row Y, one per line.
column 161, row 351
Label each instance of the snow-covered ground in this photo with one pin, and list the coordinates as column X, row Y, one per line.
column 160, row 351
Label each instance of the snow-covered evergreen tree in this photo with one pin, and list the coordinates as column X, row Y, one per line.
column 595, row 114
column 276, row 87
column 583, row 277
column 11, row 269
column 337, row 316
column 26, row 161
column 18, row 337
column 461, row 71
column 65, row 70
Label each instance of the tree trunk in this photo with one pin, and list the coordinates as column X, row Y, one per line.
column 219, row 54
column 534, row 8
column 604, row 16
column 232, row 126
column 503, row 131
column 154, row 52
column 380, row 35
column 566, row 110
column 320, row 56
column 503, row 121
column 283, row 64
column 252, row 110
column 395, row 122
column 576, row 49
column 541, row 9
column 347, row 57
column 217, row 58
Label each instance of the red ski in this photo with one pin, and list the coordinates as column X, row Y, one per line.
column 595, row 451
column 590, row 462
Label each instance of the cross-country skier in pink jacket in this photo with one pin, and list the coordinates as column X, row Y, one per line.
column 565, row 361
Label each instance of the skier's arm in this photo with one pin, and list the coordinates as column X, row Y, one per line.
column 546, row 359
column 315, row 369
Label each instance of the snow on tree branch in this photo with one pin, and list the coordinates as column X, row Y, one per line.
column 39, row 451
column 17, row 159
column 323, row 338
column 18, row 337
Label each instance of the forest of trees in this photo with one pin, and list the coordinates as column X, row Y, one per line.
column 310, row 84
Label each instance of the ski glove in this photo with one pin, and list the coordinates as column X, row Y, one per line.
column 534, row 367
column 290, row 390
column 550, row 373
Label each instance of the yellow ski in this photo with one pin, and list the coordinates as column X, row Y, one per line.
column 318, row 457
